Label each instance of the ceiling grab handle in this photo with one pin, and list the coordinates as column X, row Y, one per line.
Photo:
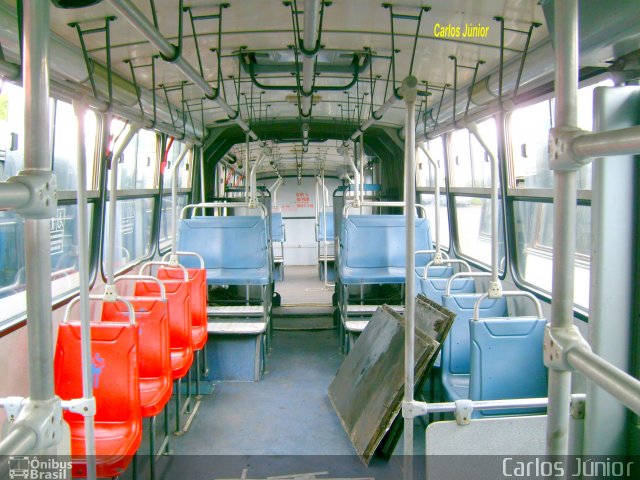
column 173, row 259
column 495, row 287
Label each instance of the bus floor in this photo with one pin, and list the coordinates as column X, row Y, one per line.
column 282, row 425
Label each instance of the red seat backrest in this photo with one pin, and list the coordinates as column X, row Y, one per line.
column 153, row 333
column 178, row 307
column 114, row 354
column 198, row 291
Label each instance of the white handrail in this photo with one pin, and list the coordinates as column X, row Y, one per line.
column 350, row 205
column 257, row 206
column 446, row 261
column 512, row 293
column 464, row 275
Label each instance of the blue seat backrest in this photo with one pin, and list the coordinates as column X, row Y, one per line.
column 374, row 241
column 277, row 227
column 435, row 288
column 328, row 232
column 457, row 346
column 225, row 242
column 507, row 359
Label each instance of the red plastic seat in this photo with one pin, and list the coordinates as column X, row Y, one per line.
column 179, row 310
column 118, row 419
column 154, row 350
column 198, row 297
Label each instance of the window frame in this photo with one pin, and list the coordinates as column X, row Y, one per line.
column 67, row 198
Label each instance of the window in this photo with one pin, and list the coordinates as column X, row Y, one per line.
column 65, row 150
column 425, row 176
column 11, row 130
column 184, row 169
column 134, row 219
column 473, row 221
column 529, row 133
column 534, row 252
column 428, row 199
column 137, row 166
column 165, row 218
column 64, row 259
column 470, row 165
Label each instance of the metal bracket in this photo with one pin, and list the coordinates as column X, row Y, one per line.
column 110, row 294
column 414, row 409
column 82, row 406
column 12, row 406
column 43, row 197
column 558, row 342
column 438, row 259
column 577, row 406
column 561, row 154
column 464, row 409
column 495, row 290
column 44, row 419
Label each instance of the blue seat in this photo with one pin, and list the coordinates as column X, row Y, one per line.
column 325, row 233
column 456, row 350
column 372, row 248
column 234, row 249
column 507, row 360
column 277, row 227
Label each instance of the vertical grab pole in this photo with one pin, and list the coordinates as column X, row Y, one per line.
column 37, row 240
column 113, row 200
column 564, row 220
column 203, row 196
column 361, row 160
column 408, row 90
column 247, row 178
column 83, row 270
column 437, row 259
column 173, row 258
column 495, row 287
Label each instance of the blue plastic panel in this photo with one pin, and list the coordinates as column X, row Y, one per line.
column 234, row 248
column 372, row 248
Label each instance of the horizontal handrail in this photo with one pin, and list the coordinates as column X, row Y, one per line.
column 350, row 205
column 447, row 261
column 615, row 381
column 118, row 298
column 445, row 407
column 167, row 265
column 185, row 254
column 464, row 275
column 146, row 278
column 257, row 206
column 512, row 293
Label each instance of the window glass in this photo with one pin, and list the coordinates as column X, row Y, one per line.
column 428, row 199
column 470, row 164
column 529, row 133
column 11, row 130
column 534, row 247
column 134, row 219
column 425, row 175
column 184, row 169
column 137, row 164
column 473, row 221
column 64, row 258
column 165, row 218
column 65, row 151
